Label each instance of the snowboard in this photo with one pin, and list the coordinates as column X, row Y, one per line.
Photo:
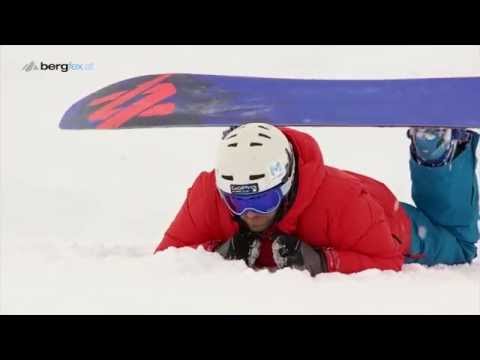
column 166, row 100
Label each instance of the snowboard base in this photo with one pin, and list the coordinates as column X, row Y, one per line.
column 174, row 100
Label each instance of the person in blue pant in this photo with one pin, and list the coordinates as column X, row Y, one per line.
column 445, row 191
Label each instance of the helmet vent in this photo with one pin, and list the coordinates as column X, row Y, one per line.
column 263, row 127
column 228, row 177
column 256, row 144
column 256, row 177
column 232, row 136
column 265, row 136
column 232, row 145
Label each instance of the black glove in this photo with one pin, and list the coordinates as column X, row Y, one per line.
column 289, row 251
column 242, row 246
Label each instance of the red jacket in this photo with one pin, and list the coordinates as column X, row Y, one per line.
column 356, row 220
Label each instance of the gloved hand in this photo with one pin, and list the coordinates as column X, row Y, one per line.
column 289, row 251
column 242, row 246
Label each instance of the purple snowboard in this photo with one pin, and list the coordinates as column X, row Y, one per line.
column 209, row 100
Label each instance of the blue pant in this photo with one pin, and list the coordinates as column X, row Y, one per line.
column 445, row 219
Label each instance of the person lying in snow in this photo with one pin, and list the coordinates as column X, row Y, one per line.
column 272, row 202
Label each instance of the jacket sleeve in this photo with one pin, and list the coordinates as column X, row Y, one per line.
column 367, row 241
column 191, row 224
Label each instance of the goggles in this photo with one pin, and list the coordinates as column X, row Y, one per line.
column 264, row 202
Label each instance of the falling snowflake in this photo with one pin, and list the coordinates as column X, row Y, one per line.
column 422, row 232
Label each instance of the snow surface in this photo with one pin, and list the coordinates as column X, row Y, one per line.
column 82, row 211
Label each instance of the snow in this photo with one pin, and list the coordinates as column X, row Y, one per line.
column 82, row 211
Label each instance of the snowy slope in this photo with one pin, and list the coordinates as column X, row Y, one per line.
column 83, row 211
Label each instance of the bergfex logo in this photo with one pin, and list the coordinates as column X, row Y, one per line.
column 65, row 67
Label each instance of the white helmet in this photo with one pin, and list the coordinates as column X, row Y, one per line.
column 253, row 158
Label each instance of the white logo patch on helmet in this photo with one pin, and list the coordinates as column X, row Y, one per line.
column 244, row 189
column 277, row 170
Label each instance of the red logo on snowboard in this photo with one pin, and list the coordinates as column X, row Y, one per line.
column 152, row 92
